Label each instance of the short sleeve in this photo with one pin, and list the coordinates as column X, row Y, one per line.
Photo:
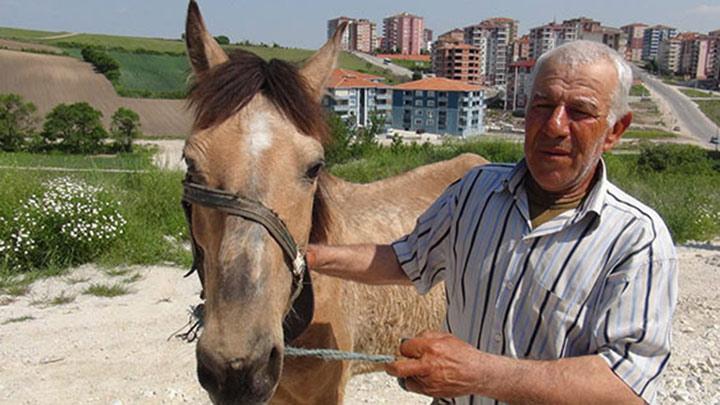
column 634, row 318
column 423, row 253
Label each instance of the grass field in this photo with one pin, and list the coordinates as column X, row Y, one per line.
column 697, row 93
column 18, row 33
column 647, row 134
column 639, row 90
column 711, row 108
column 141, row 160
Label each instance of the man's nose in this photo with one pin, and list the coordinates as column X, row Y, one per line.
column 559, row 123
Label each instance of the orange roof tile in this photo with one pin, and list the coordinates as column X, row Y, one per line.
column 418, row 58
column 438, row 84
column 345, row 78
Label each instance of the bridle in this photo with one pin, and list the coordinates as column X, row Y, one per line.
column 297, row 319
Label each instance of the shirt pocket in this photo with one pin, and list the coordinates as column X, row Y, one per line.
column 554, row 316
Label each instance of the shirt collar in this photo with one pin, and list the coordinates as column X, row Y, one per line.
column 594, row 202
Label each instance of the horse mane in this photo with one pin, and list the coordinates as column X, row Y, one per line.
column 225, row 89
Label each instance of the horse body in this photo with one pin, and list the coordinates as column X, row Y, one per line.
column 357, row 317
column 259, row 133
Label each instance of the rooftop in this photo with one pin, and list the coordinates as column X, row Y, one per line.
column 438, row 84
column 345, row 79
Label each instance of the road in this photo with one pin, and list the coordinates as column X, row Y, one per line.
column 691, row 119
column 394, row 69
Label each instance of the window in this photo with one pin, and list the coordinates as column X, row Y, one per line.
column 407, row 102
column 442, row 103
column 418, row 93
column 429, row 113
column 431, row 93
column 418, row 103
column 430, row 122
column 407, row 93
column 418, row 112
column 418, row 122
column 431, row 103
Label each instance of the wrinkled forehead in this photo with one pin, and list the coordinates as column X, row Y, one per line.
column 555, row 78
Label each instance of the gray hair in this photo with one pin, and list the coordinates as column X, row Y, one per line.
column 588, row 52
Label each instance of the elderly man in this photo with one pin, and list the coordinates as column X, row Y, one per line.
column 561, row 287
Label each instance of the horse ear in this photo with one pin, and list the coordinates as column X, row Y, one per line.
column 204, row 52
column 319, row 67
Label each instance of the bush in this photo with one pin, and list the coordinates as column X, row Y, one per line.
column 674, row 158
column 125, row 128
column 70, row 223
column 102, row 62
column 222, row 40
column 17, row 122
column 77, row 127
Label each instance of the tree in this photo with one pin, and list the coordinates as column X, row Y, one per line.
column 103, row 62
column 125, row 127
column 222, row 40
column 338, row 149
column 17, row 122
column 77, row 127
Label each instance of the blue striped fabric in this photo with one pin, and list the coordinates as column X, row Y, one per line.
column 598, row 279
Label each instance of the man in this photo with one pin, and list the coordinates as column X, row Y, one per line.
column 561, row 287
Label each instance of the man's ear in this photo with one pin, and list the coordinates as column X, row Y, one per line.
column 617, row 131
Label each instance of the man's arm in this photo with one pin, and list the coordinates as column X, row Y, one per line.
column 369, row 264
column 442, row 366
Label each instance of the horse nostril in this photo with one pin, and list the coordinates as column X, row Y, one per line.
column 206, row 376
column 274, row 356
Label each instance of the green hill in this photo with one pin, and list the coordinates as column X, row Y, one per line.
column 156, row 67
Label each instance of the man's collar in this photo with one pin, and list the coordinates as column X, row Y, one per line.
column 594, row 202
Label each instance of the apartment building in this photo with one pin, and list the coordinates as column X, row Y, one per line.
column 439, row 105
column 634, row 45
column 355, row 96
column 521, row 48
column 652, row 37
column 591, row 30
column 404, row 33
column 496, row 36
column 359, row 36
column 549, row 36
column 518, row 89
column 668, row 55
column 452, row 58
column 428, row 39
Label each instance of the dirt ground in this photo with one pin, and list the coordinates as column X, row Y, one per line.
column 59, row 345
column 48, row 80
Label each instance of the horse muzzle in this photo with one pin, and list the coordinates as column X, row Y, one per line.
column 249, row 380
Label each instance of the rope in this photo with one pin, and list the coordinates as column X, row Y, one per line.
column 337, row 355
column 195, row 324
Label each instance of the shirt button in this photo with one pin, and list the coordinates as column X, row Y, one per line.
column 508, row 285
column 498, row 337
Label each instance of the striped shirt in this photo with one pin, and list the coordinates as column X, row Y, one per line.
column 597, row 279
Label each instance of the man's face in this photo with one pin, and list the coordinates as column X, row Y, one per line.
column 566, row 127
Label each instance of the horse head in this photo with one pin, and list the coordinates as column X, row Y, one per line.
column 258, row 133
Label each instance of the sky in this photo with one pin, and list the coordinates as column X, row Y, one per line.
column 303, row 23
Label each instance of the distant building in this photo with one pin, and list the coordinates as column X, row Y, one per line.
column 495, row 37
column 634, row 46
column 439, row 105
column 359, row 35
column 549, row 36
column 652, row 37
column 668, row 55
column 695, row 61
column 428, row 39
column 453, row 59
column 521, row 48
column 355, row 96
column 715, row 54
column 518, row 89
column 404, row 33
column 590, row 30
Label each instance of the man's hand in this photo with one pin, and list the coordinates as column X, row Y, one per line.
column 440, row 365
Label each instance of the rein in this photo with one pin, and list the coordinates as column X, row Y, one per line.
column 254, row 211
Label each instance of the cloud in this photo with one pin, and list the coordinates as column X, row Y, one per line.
column 706, row 10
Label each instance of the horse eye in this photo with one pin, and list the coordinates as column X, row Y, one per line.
column 314, row 170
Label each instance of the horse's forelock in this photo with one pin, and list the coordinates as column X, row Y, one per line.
column 225, row 89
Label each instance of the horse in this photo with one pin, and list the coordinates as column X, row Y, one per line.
column 258, row 132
